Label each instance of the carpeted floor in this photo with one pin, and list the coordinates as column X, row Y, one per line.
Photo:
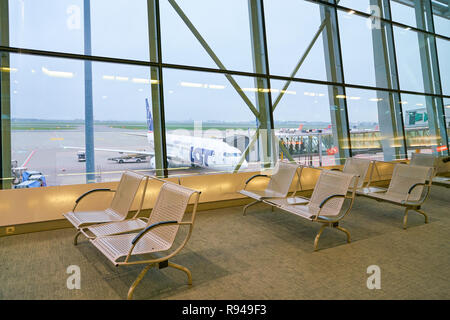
column 264, row 255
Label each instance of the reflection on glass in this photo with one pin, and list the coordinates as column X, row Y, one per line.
column 48, row 120
column 442, row 22
column 209, row 122
column 423, row 122
column 408, row 59
column 221, row 24
column 359, row 5
column 291, row 29
column 47, row 115
column 303, row 125
column 402, row 13
column 53, row 25
column 59, row 25
column 375, row 128
column 443, row 48
column 447, row 115
column 359, row 43
column 123, row 124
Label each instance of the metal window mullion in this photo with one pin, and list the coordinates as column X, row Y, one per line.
column 260, row 63
column 5, row 101
column 88, row 97
column 396, row 83
column 437, row 79
column 157, row 92
column 386, row 77
column 429, row 72
column 335, row 74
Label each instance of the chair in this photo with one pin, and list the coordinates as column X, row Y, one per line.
column 437, row 163
column 358, row 167
column 406, row 189
column 325, row 204
column 278, row 186
column 119, row 207
column 118, row 227
column 423, row 159
column 157, row 237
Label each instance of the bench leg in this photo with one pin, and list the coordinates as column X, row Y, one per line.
column 316, row 241
column 249, row 205
column 75, row 240
column 138, row 279
column 405, row 219
column 422, row 213
column 349, row 239
column 184, row 269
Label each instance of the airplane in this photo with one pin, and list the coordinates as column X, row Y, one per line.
column 195, row 151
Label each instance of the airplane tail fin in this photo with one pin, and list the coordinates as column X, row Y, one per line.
column 149, row 117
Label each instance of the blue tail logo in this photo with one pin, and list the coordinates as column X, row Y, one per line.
column 149, row 117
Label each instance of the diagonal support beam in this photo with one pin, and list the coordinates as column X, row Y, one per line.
column 299, row 64
column 213, row 56
column 302, row 59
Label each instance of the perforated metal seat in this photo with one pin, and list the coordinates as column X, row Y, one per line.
column 158, row 234
column 358, row 167
column 423, row 160
column 120, row 205
column 279, row 183
column 409, row 187
column 325, row 204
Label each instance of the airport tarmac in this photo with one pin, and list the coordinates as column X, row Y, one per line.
column 47, row 151
column 60, row 165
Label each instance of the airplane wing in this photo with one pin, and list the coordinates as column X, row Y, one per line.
column 121, row 151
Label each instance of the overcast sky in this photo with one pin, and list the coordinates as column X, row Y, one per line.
column 53, row 88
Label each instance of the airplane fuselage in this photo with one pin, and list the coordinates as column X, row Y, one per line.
column 201, row 152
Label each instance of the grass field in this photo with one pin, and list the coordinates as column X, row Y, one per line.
column 42, row 128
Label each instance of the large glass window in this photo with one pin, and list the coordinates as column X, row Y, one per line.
column 209, row 123
column 364, row 51
column 52, row 25
column 303, row 122
column 359, row 5
column 404, row 13
column 423, row 120
column 443, row 48
column 375, row 124
column 49, row 131
column 294, row 49
column 409, row 60
column 193, row 32
column 80, row 120
column 60, row 25
column 447, row 116
column 441, row 18
column 47, row 115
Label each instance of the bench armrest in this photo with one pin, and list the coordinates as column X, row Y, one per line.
column 331, row 197
column 415, row 185
column 88, row 193
column 256, row 176
column 155, row 225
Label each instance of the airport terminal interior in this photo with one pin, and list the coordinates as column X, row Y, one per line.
column 209, row 149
